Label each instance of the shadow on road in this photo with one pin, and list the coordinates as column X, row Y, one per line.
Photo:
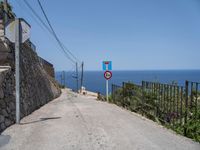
column 4, row 139
column 40, row 120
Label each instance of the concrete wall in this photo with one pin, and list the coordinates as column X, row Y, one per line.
column 37, row 86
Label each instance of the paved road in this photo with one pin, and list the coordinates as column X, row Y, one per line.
column 74, row 122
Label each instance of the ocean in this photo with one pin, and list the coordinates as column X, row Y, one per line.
column 94, row 80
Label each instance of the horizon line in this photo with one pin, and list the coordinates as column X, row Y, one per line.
column 139, row 70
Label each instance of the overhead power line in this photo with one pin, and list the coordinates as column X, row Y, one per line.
column 45, row 15
column 32, row 16
column 37, row 16
column 51, row 31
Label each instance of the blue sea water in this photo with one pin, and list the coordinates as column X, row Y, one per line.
column 94, row 80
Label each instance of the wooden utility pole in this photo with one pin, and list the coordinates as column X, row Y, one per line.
column 77, row 76
column 82, row 65
column 61, row 78
column 64, row 78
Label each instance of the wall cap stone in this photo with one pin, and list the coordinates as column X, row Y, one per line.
column 4, row 68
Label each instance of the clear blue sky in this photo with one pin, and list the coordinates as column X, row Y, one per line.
column 134, row 34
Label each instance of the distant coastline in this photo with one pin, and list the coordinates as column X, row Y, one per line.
column 95, row 82
column 141, row 70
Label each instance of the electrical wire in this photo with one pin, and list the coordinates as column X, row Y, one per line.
column 53, row 31
column 37, row 16
column 40, row 19
column 50, row 31
column 32, row 16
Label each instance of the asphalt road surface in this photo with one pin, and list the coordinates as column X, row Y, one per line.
column 75, row 122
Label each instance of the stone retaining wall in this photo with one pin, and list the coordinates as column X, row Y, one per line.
column 48, row 67
column 37, row 87
column 7, row 98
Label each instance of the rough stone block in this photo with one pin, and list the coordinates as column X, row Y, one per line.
column 4, row 113
column 1, row 119
column 2, row 126
column 8, row 122
column 1, row 93
column 12, row 106
column 2, row 104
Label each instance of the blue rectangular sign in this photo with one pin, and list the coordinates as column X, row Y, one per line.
column 107, row 65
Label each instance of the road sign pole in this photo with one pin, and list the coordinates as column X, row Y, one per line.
column 107, row 66
column 17, row 31
column 17, row 68
column 107, row 90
